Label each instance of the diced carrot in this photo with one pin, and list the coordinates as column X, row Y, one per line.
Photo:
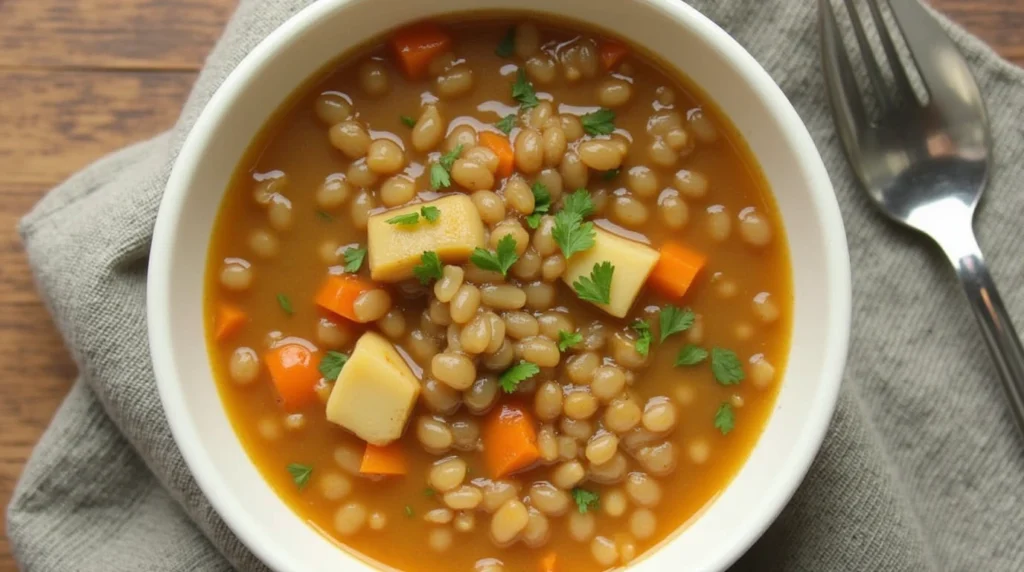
column 229, row 320
column 295, row 371
column 510, row 440
column 383, row 460
column 548, row 562
column 416, row 45
column 502, row 148
column 339, row 293
column 612, row 53
column 676, row 270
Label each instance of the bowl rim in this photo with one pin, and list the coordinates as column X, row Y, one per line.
column 160, row 271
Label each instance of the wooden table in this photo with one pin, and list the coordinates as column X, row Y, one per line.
column 80, row 78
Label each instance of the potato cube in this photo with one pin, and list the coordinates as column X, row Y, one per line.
column 375, row 392
column 395, row 249
column 632, row 261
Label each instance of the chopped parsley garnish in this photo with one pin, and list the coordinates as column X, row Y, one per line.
column 440, row 172
column 429, row 492
column 725, row 418
column 407, row 121
column 541, row 204
column 598, row 286
column 286, row 304
column 522, row 91
column 429, row 268
column 513, row 376
column 610, row 174
column 408, row 511
column 505, row 124
column 673, row 320
column 598, row 122
column 300, row 474
column 567, row 340
column 500, row 260
column 354, row 259
column 407, row 219
column 572, row 234
column 586, row 501
column 506, row 47
column 578, row 203
column 324, row 216
column 643, row 342
column 331, row 364
column 431, row 213
column 726, row 366
column 691, row 355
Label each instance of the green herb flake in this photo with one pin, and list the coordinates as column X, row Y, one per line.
column 541, row 204
column 691, row 355
column 429, row 492
column 572, row 234
column 354, row 258
column 429, row 268
column 331, row 365
column 324, row 216
column 579, row 204
column 522, row 91
column 300, row 474
column 505, row 124
column 409, row 513
column 513, row 376
column 726, row 366
column 567, row 340
column 407, row 219
column 598, row 286
column 440, row 172
column 431, row 213
column 500, row 260
column 610, row 174
column 586, row 501
column 599, row 122
column 407, row 121
column 673, row 320
column 725, row 418
column 286, row 304
column 644, row 339
column 506, row 47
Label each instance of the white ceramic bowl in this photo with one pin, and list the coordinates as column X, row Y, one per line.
column 684, row 39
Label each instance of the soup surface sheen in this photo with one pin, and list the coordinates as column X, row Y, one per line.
column 519, row 426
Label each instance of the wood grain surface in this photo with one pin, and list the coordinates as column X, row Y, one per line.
column 81, row 78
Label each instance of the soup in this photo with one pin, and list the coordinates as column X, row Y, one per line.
column 498, row 295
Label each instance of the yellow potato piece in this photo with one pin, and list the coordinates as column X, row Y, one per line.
column 375, row 392
column 633, row 262
column 394, row 249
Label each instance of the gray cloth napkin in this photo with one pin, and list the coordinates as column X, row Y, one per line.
column 922, row 468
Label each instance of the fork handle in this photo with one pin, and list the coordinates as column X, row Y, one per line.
column 996, row 326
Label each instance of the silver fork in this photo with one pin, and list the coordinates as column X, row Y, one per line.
column 925, row 164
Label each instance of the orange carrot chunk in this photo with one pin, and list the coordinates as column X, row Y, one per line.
column 510, row 440
column 676, row 270
column 416, row 45
column 229, row 320
column 383, row 460
column 294, row 369
column 339, row 293
column 548, row 562
column 503, row 149
column 612, row 53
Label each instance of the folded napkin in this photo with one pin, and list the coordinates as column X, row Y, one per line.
column 922, row 467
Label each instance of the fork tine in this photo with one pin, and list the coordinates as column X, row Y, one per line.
column 899, row 73
column 842, row 86
column 866, row 54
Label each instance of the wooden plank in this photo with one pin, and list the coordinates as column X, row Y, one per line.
column 112, row 34
column 52, row 123
column 998, row 22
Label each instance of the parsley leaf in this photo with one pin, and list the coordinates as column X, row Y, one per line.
column 643, row 343
column 522, row 91
column 407, row 219
column 567, row 340
column 673, row 320
column 429, row 267
column 354, row 259
column 300, row 474
column 285, row 304
column 598, row 122
column 408, row 511
column 407, row 121
column 597, row 288
column 610, row 174
column 725, row 418
column 440, row 172
column 541, row 204
column 500, row 260
column 726, row 366
column 578, row 203
column 430, row 213
column 331, row 364
column 585, row 500
column 429, row 492
column 505, row 124
column 513, row 376
column 324, row 216
column 691, row 355
column 572, row 234
column 506, row 47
